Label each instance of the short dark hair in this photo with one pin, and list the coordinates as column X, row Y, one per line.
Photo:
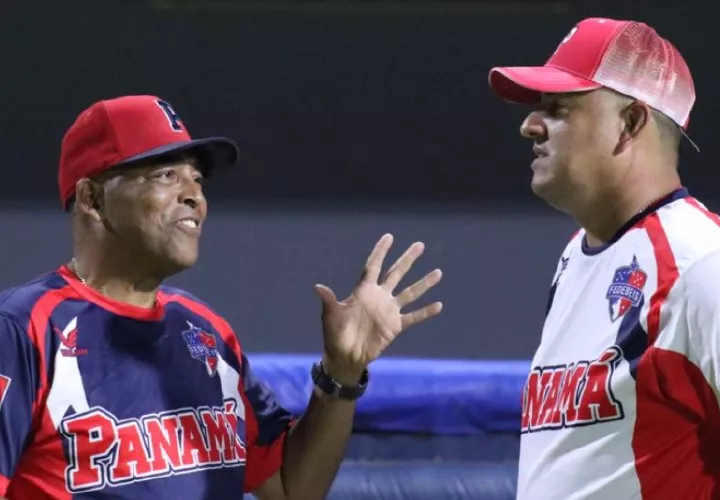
column 670, row 132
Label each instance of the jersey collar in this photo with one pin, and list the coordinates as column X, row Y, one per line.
column 678, row 194
column 156, row 313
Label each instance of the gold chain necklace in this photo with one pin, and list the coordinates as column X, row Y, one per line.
column 73, row 264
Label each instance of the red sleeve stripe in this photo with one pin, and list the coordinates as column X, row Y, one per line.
column 4, row 484
column 252, row 480
column 667, row 380
column 263, row 463
column 667, row 273
column 37, row 330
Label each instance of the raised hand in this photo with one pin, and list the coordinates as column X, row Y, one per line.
column 359, row 328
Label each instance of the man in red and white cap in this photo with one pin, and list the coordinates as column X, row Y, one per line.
column 113, row 385
column 622, row 398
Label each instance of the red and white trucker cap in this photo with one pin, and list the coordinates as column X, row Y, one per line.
column 626, row 56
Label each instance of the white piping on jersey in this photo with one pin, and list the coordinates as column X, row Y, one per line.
column 67, row 389
column 230, row 382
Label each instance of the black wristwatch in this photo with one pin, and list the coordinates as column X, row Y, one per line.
column 333, row 388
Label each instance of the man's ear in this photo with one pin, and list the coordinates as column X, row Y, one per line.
column 635, row 118
column 89, row 198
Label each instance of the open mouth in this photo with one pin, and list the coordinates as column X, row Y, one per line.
column 191, row 223
column 190, row 226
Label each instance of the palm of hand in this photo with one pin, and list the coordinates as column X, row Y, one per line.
column 358, row 329
column 368, row 309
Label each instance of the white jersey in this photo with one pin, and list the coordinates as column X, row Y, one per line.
column 622, row 398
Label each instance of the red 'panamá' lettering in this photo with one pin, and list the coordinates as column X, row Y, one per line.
column 571, row 395
column 105, row 451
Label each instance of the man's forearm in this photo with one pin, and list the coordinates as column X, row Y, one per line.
column 316, row 444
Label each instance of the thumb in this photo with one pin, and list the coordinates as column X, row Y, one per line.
column 326, row 295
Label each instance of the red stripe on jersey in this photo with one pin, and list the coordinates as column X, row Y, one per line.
column 677, row 429
column 3, row 485
column 710, row 215
column 255, row 470
column 262, row 461
column 154, row 313
column 41, row 471
column 4, row 385
column 667, row 273
column 228, row 336
column 37, row 330
column 677, row 421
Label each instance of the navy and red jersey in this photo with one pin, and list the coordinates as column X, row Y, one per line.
column 100, row 399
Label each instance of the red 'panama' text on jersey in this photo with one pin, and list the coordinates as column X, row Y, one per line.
column 621, row 401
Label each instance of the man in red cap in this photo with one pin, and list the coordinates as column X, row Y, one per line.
column 622, row 398
column 115, row 385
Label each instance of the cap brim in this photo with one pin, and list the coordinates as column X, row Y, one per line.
column 214, row 153
column 525, row 84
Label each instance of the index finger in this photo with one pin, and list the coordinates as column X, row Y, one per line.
column 374, row 263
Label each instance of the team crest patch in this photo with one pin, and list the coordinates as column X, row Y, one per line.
column 203, row 347
column 626, row 290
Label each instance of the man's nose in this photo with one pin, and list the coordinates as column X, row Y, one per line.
column 533, row 127
column 192, row 192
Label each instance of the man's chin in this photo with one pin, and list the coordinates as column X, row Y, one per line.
column 186, row 262
column 177, row 262
column 545, row 189
column 541, row 186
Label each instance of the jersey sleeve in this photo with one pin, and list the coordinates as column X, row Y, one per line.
column 267, row 427
column 18, row 378
column 701, row 296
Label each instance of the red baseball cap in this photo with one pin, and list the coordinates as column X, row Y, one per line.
column 127, row 130
column 626, row 56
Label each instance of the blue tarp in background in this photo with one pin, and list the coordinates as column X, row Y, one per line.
column 425, row 429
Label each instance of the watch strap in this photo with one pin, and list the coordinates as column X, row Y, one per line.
column 333, row 388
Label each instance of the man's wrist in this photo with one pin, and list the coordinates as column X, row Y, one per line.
column 349, row 377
